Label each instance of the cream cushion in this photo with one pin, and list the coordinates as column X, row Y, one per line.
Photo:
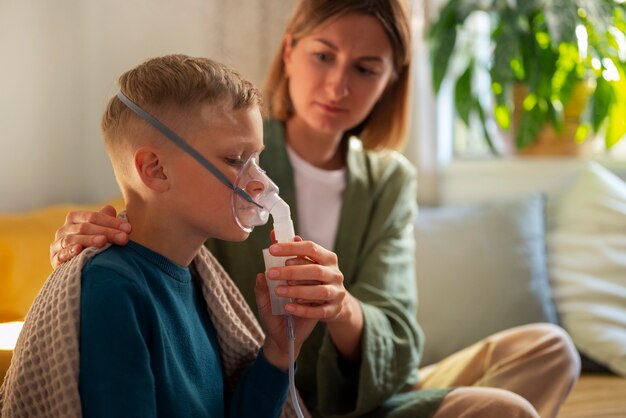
column 587, row 265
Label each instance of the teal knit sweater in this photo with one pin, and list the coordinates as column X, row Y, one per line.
column 148, row 347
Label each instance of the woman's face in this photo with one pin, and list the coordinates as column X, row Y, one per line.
column 338, row 72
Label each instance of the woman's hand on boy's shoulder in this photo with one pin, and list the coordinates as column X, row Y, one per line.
column 84, row 229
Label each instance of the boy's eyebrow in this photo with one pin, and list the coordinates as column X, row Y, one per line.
column 334, row 47
column 250, row 145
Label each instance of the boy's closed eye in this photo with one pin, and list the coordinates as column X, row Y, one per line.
column 234, row 161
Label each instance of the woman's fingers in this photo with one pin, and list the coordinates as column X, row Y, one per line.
column 85, row 235
column 104, row 222
column 314, row 294
column 314, row 281
column 303, row 282
column 84, row 229
column 298, row 261
column 303, row 272
column 308, row 249
column 64, row 255
column 320, row 312
column 297, row 238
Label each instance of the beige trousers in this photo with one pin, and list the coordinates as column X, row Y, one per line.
column 526, row 371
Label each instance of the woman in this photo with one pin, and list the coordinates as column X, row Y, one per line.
column 342, row 71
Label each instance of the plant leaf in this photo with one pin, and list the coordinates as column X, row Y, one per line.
column 561, row 19
column 483, row 124
column 442, row 39
column 463, row 94
column 598, row 13
column 601, row 101
column 506, row 49
column 502, row 116
column 581, row 133
column 616, row 127
column 531, row 123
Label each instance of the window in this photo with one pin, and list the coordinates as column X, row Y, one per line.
column 454, row 163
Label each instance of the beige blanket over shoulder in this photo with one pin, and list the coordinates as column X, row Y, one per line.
column 43, row 378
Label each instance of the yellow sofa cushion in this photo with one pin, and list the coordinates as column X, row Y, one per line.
column 24, row 254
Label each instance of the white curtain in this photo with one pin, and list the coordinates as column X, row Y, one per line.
column 429, row 145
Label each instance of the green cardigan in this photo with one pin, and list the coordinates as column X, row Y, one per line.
column 375, row 247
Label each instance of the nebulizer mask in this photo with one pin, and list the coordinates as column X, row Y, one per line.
column 254, row 197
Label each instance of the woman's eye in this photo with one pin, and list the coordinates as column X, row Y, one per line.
column 323, row 57
column 365, row 70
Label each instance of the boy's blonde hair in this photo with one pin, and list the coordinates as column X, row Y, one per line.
column 177, row 83
column 385, row 126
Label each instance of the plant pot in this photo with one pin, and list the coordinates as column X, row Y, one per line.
column 549, row 142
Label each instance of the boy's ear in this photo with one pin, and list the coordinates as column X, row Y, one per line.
column 149, row 167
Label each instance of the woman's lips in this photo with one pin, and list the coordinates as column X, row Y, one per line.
column 330, row 108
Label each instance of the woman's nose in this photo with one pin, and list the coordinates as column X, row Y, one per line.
column 337, row 83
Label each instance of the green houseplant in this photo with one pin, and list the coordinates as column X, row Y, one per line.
column 552, row 47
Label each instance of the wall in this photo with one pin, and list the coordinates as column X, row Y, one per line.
column 476, row 181
column 59, row 64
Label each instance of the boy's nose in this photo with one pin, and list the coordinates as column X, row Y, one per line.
column 254, row 188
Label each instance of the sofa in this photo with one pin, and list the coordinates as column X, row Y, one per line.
column 556, row 256
column 480, row 267
column 24, row 264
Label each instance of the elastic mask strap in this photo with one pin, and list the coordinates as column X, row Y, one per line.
column 169, row 134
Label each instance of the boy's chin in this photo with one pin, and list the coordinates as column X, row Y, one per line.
column 237, row 235
column 242, row 236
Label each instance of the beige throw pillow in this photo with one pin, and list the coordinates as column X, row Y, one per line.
column 587, row 265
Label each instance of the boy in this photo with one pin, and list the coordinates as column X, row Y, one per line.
column 148, row 345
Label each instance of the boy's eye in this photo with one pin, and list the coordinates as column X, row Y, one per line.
column 234, row 161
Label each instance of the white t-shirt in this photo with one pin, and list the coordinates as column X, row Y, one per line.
column 318, row 194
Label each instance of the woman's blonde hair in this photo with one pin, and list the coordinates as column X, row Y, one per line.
column 385, row 126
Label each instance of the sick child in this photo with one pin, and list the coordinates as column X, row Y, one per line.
column 156, row 328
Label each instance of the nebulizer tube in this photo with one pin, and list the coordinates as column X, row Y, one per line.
column 292, row 371
column 283, row 232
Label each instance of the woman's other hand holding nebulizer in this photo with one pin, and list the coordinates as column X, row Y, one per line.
column 276, row 345
column 315, row 285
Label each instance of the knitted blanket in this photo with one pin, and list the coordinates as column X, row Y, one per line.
column 42, row 380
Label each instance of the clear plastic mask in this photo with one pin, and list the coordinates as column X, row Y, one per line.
column 260, row 188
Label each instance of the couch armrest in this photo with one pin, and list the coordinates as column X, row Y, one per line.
column 24, row 255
